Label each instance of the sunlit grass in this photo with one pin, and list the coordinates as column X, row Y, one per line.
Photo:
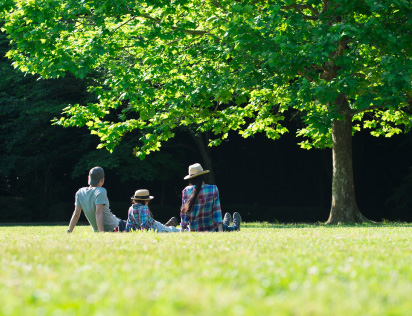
column 265, row 269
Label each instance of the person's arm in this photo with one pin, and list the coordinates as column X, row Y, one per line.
column 75, row 218
column 184, row 221
column 131, row 220
column 217, row 211
column 146, row 218
column 99, row 217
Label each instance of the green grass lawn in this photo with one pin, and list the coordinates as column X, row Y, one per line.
column 262, row 270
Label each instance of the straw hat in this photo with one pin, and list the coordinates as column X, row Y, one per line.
column 195, row 170
column 142, row 194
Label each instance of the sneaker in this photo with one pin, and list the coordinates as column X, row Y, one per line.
column 172, row 222
column 227, row 219
column 122, row 226
column 237, row 220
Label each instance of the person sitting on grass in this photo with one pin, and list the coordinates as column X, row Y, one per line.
column 140, row 216
column 95, row 204
column 201, row 209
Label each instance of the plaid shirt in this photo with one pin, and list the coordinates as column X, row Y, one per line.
column 139, row 218
column 206, row 214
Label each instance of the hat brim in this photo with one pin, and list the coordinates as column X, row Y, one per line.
column 143, row 198
column 190, row 176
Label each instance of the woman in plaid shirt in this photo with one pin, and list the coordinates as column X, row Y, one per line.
column 200, row 209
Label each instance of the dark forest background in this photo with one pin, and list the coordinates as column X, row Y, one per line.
column 42, row 166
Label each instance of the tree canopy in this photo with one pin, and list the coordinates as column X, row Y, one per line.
column 222, row 65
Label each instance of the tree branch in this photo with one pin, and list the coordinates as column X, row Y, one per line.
column 300, row 7
column 217, row 4
column 304, row 74
column 358, row 74
column 408, row 98
column 191, row 32
column 149, row 17
column 117, row 28
column 374, row 107
column 325, row 7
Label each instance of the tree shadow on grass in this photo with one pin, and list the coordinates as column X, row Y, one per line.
column 26, row 224
column 384, row 224
column 277, row 225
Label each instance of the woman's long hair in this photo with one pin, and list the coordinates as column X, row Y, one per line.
column 197, row 182
column 137, row 201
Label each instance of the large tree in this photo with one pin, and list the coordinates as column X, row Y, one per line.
column 223, row 65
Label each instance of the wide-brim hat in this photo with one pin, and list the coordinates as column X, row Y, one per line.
column 195, row 170
column 142, row 194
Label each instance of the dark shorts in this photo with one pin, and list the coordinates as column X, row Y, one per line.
column 121, row 227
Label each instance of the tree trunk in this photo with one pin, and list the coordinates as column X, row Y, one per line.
column 344, row 208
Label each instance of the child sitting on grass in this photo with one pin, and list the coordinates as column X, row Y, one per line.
column 140, row 216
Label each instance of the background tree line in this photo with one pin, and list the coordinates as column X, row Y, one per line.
column 159, row 70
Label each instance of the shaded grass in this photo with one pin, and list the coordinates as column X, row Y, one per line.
column 265, row 269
